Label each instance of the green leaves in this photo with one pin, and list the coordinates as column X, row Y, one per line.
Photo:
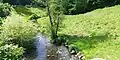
column 74, row 7
column 16, row 30
column 4, row 9
column 11, row 52
column 1, row 20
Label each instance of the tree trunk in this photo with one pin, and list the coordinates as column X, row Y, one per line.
column 51, row 22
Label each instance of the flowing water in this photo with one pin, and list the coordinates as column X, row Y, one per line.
column 47, row 51
column 41, row 43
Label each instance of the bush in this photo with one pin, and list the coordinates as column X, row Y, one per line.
column 11, row 52
column 39, row 3
column 82, row 6
column 4, row 9
column 16, row 30
column 17, row 2
column 25, row 2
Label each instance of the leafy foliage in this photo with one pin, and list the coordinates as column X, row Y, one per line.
column 82, row 6
column 4, row 9
column 44, row 25
column 25, row 2
column 55, row 17
column 37, row 3
column 17, row 2
column 16, row 30
column 11, row 52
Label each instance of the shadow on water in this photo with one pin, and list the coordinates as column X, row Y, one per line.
column 86, row 42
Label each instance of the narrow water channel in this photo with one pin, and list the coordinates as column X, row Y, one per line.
column 47, row 51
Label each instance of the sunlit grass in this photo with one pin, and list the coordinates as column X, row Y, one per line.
column 96, row 33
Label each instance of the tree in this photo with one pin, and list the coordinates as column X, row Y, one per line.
column 55, row 17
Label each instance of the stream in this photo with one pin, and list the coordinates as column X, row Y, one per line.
column 47, row 51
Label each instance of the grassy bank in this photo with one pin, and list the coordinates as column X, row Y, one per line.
column 96, row 33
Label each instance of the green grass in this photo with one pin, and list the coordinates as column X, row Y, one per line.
column 21, row 10
column 29, row 11
column 96, row 33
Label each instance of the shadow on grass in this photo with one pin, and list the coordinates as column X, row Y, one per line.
column 86, row 43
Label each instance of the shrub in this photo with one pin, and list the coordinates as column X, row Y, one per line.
column 25, row 2
column 40, row 3
column 17, row 2
column 82, row 6
column 4, row 9
column 16, row 30
column 11, row 52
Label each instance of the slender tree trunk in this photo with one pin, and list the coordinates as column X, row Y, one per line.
column 51, row 22
column 57, row 26
column 49, row 13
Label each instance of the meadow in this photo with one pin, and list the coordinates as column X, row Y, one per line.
column 96, row 33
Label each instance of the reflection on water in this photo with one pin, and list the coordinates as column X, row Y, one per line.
column 41, row 47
